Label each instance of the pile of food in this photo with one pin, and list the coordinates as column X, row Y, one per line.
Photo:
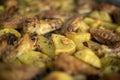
column 59, row 40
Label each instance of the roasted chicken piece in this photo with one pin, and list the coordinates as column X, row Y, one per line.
column 42, row 26
column 14, row 22
column 8, row 37
column 72, row 24
column 104, row 36
column 23, row 45
column 85, row 6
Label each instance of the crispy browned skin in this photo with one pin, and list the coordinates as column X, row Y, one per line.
column 116, row 45
column 69, row 25
column 10, row 12
column 85, row 6
column 5, row 41
column 71, row 65
column 104, row 36
column 43, row 26
column 13, row 22
column 24, row 44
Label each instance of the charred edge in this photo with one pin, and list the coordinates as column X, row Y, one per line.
column 11, row 38
column 105, row 36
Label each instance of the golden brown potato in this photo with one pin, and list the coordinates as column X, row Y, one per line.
column 63, row 44
column 102, row 15
column 83, row 27
column 34, row 58
column 78, row 38
column 46, row 46
column 92, row 22
column 10, row 30
column 88, row 56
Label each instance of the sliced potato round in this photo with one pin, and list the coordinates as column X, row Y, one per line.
column 63, row 44
column 78, row 38
column 34, row 58
column 46, row 46
column 102, row 15
column 10, row 30
column 88, row 56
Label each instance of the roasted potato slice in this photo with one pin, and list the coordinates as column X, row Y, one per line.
column 88, row 56
column 34, row 58
column 63, row 44
column 10, row 30
column 109, row 25
column 102, row 15
column 92, row 22
column 46, row 46
column 78, row 38
column 83, row 27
